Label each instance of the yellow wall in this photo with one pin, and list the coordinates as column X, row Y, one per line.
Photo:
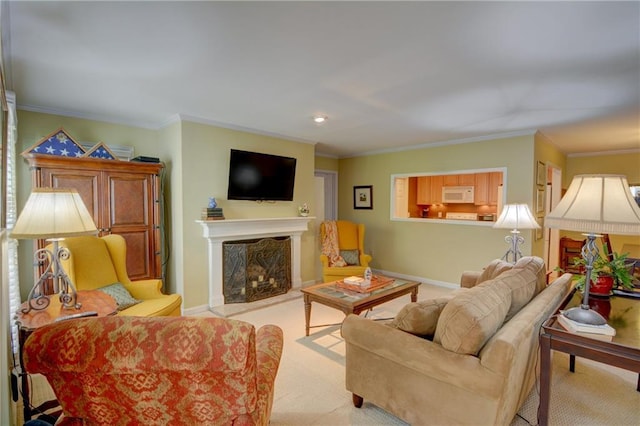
column 196, row 167
column 205, row 159
column 627, row 164
column 196, row 160
column 438, row 251
column 327, row 163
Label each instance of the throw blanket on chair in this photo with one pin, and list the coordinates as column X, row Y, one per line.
column 330, row 246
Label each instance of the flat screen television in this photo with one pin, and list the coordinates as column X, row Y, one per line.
column 260, row 177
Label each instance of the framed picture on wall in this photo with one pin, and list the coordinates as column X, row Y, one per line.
column 541, row 174
column 363, row 197
column 540, row 221
column 540, row 201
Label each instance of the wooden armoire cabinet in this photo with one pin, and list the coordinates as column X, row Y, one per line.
column 122, row 196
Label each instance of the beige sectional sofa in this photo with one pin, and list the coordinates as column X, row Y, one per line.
column 467, row 358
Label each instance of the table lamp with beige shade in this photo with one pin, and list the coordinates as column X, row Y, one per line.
column 515, row 217
column 593, row 205
column 53, row 214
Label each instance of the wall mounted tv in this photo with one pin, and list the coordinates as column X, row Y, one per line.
column 260, row 177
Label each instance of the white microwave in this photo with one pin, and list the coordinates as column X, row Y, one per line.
column 457, row 194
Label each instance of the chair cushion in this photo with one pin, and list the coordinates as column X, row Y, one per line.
column 121, row 295
column 471, row 318
column 420, row 318
column 352, row 257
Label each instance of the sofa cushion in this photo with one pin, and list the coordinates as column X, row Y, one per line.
column 471, row 318
column 493, row 269
column 420, row 318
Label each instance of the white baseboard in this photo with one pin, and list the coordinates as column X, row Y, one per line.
column 416, row 278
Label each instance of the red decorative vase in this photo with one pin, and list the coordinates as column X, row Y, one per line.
column 602, row 286
column 601, row 305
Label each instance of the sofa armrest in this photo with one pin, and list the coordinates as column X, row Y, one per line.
column 145, row 289
column 324, row 259
column 469, row 278
column 420, row 355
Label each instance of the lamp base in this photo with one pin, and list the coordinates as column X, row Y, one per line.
column 584, row 316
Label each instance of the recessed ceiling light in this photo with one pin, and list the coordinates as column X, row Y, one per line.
column 320, row 118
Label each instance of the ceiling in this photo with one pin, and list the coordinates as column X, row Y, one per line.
column 388, row 75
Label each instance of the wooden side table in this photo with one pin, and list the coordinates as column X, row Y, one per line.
column 623, row 351
column 91, row 300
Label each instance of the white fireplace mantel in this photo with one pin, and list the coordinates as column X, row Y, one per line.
column 218, row 231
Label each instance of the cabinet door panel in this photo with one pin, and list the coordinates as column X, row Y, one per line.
column 85, row 182
column 436, row 189
column 467, row 179
column 424, row 190
column 139, row 254
column 495, row 182
column 129, row 199
column 450, row 180
column 481, row 193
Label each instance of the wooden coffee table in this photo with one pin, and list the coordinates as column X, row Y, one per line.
column 351, row 302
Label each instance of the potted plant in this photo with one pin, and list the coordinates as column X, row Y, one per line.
column 606, row 273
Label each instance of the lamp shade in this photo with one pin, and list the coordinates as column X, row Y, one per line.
column 53, row 213
column 516, row 216
column 597, row 204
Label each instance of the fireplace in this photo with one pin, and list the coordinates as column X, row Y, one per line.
column 216, row 232
column 255, row 269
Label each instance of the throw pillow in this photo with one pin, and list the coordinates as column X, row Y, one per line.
column 352, row 257
column 420, row 318
column 536, row 266
column 471, row 318
column 121, row 295
column 520, row 283
column 493, row 269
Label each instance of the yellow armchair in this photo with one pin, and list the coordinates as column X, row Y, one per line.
column 96, row 262
column 350, row 238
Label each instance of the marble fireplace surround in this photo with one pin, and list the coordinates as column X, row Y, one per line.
column 218, row 231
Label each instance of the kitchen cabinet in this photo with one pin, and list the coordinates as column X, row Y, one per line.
column 123, row 198
column 495, row 185
column 423, row 192
column 467, row 179
column 450, row 180
column 436, row 189
column 429, row 190
column 487, row 186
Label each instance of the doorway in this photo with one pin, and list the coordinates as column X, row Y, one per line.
column 326, row 202
column 552, row 236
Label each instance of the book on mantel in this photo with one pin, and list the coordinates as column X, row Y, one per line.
column 600, row 332
column 209, row 213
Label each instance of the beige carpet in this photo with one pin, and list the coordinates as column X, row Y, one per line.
column 310, row 383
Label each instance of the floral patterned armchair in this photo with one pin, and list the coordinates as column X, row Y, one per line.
column 122, row 370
